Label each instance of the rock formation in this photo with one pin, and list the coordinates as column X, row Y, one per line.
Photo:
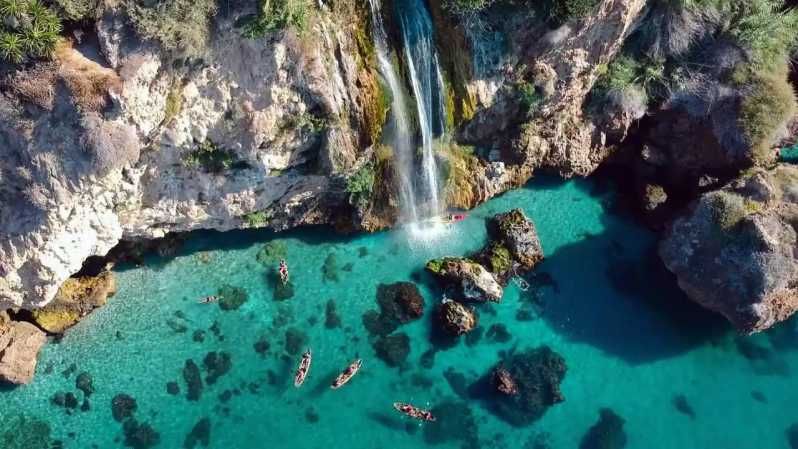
column 734, row 251
column 19, row 346
column 455, row 318
column 76, row 298
column 514, row 245
column 472, row 280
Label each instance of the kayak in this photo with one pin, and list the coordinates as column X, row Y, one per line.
column 413, row 411
column 208, row 299
column 347, row 374
column 303, row 369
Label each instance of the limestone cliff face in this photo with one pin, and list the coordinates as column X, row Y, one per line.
column 132, row 142
column 735, row 250
column 120, row 139
column 549, row 129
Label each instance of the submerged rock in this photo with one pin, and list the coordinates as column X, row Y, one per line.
column 329, row 270
column 140, row 435
column 399, row 303
column 393, row 349
column 331, row 317
column 84, row 383
column 25, row 432
column 734, row 252
column 231, row 297
column 498, row 333
column 200, row 434
column 20, row 343
column 272, row 252
column 456, row 319
column 216, row 364
column 472, row 281
column 455, row 422
column 123, row 406
column 193, row 378
column 536, row 374
column 76, row 298
column 683, row 406
column 173, row 388
column 792, row 436
column 607, row 433
column 295, row 341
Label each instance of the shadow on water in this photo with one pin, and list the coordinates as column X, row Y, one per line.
column 632, row 308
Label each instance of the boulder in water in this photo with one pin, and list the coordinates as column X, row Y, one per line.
column 295, row 341
column 536, row 374
column 399, row 303
column 607, row 433
column 517, row 233
column 20, row 343
column 84, row 383
column 472, row 281
column 455, row 318
column 216, row 364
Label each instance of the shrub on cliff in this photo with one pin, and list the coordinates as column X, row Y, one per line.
column 179, row 25
column 275, row 15
column 361, row 185
column 28, row 29
column 77, row 9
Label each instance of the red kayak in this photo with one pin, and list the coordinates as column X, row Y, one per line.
column 347, row 374
column 454, row 218
column 303, row 370
column 413, row 411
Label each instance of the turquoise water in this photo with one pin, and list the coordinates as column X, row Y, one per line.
column 789, row 154
column 631, row 341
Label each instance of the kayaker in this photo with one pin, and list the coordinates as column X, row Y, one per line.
column 283, row 271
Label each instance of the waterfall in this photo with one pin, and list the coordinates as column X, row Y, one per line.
column 427, row 84
column 418, row 187
column 401, row 138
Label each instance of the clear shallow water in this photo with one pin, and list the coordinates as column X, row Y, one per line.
column 630, row 340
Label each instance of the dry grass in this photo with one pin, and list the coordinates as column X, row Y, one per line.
column 35, row 85
column 89, row 82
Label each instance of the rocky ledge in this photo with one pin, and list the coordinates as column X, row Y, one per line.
column 736, row 252
column 19, row 347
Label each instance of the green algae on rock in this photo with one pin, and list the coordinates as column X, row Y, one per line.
column 76, row 298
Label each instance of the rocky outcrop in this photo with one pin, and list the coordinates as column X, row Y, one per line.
column 734, row 251
column 400, row 303
column 253, row 132
column 471, row 280
column 76, row 298
column 19, row 346
column 514, row 245
column 455, row 318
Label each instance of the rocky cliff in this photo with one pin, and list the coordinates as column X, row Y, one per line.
column 735, row 253
column 126, row 136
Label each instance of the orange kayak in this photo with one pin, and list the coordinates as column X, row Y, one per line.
column 304, row 368
column 347, row 374
column 413, row 411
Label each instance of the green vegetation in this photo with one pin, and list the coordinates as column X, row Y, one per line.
column 77, row 9
column 174, row 102
column 212, row 159
column 529, row 96
column 276, row 15
column 466, row 6
column 499, row 258
column 360, row 186
column 459, row 169
column 769, row 101
column 727, row 209
column 762, row 27
column 28, row 29
column 256, row 219
column 561, row 11
column 178, row 25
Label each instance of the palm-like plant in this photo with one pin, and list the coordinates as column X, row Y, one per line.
column 11, row 47
column 12, row 8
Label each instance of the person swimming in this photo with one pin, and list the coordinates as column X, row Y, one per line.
column 208, row 299
column 283, row 271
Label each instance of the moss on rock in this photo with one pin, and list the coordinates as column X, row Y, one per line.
column 76, row 298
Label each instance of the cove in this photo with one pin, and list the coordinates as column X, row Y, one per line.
column 677, row 376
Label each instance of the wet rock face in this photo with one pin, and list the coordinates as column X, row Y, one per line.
column 20, row 343
column 472, row 280
column 607, row 433
column 455, row 318
column 733, row 252
column 536, row 375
